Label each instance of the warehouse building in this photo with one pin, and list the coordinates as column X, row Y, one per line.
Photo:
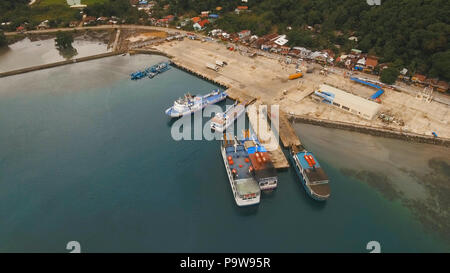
column 348, row 102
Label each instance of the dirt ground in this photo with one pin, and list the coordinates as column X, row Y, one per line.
column 267, row 79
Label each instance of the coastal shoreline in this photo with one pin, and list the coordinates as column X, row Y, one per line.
column 238, row 94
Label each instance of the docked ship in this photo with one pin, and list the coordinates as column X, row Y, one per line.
column 221, row 121
column 314, row 179
column 190, row 104
column 239, row 170
column 263, row 169
column 151, row 71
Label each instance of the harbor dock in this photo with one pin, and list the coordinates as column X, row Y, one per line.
column 266, row 136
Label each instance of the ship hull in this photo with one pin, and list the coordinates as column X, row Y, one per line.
column 304, row 183
column 240, row 202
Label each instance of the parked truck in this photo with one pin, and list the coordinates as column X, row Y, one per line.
column 295, row 76
column 212, row 67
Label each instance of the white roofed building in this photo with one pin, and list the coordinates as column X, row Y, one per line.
column 362, row 107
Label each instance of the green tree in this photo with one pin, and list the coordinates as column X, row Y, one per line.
column 3, row 41
column 389, row 75
column 64, row 40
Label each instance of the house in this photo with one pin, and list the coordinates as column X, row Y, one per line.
column 218, row 8
column 418, row 78
column 281, row 40
column 102, row 19
column 201, row 25
column 162, row 22
column 304, row 52
column 43, row 25
column 353, row 38
column 441, row 86
column 204, row 14
column 196, row 19
column 170, row 18
column 74, row 24
column 88, row 20
column 284, row 50
column 240, row 9
column 371, row 63
column 243, row 34
column 356, row 51
column 185, row 22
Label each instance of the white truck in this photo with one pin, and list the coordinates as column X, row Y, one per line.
column 212, row 67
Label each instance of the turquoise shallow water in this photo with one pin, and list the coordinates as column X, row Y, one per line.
column 86, row 155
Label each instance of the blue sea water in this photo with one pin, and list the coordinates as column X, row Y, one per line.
column 86, row 155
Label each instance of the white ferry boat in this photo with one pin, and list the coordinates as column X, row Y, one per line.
column 221, row 121
column 190, row 104
column 245, row 189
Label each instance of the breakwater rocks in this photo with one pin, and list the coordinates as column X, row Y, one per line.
column 375, row 131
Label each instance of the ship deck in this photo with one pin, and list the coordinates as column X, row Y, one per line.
column 240, row 165
column 247, row 186
column 316, row 173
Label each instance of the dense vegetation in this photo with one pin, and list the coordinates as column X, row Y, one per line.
column 64, row 40
column 3, row 41
column 18, row 12
column 389, row 75
column 406, row 33
column 118, row 8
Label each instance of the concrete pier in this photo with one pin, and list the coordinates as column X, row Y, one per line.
column 266, row 136
column 56, row 64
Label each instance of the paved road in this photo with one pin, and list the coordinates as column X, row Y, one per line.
column 102, row 27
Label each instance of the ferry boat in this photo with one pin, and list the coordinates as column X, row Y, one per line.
column 190, row 104
column 263, row 168
column 237, row 164
column 314, row 179
column 221, row 121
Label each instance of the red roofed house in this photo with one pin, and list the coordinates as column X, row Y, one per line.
column 419, row 78
column 371, row 63
column 170, row 18
column 241, row 9
column 441, row 86
column 196, row 19
column 244, row 33
column 20, row 29
column 201, row 25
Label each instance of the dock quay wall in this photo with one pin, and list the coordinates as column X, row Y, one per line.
column 375, row 131
column 56, row 64
column 183, row 67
